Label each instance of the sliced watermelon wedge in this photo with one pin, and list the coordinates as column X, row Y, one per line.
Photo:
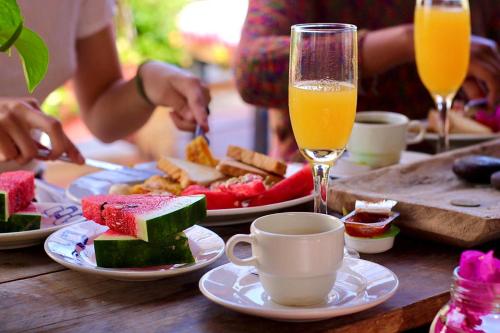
column 93, row 206
column 152, row 218
column 24, row 220
column 17, row 190
column 115, row 250
column 297, row 185
column 216, row 199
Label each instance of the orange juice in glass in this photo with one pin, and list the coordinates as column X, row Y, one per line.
column 322, row 96
column 442, row 48
column 322, row 114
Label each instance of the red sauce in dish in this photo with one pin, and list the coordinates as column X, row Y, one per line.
column 367, row 224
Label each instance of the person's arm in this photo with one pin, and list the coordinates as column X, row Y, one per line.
column 261, row 62
column 112, row 107
column 263, row 54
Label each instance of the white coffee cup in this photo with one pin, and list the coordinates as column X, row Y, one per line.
column 296, row 255
column 378, row 137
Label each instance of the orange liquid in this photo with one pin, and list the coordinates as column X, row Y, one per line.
column 442, row 46
column 322, row 114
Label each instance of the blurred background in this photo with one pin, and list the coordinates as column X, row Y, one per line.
column 199, row 35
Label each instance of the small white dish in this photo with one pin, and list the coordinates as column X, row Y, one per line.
column 369, row 245
column 360, row 285
column 54, row 217
column 73, row 248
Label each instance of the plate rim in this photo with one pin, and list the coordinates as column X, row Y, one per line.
column 130, row 275
column 38, row 233
column 291, row 313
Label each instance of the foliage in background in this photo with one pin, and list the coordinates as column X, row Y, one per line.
column 147, row 30
column 31, row 48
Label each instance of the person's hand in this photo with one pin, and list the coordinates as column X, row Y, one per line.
column 18, row 117
column 170, row 86
column 484, row 71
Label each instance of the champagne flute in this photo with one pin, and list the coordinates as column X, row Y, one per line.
column 442, row 47
column 322, row 96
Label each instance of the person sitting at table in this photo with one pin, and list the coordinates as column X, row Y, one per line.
column 81, row 42
column 388, row 75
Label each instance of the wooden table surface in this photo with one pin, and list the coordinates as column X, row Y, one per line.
column 39, row 295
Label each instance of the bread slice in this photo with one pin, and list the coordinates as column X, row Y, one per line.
column 257, row 160
column 459, row 124
column 188, row 173
column 233, row 168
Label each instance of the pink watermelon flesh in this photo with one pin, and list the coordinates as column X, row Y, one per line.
column 17, row 190
column 147, row 217
column 93, row 206
column 121, row 217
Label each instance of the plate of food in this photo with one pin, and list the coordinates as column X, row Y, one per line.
column 238, row 188
column 24, row 221
column 137, row 237
column 466, row 126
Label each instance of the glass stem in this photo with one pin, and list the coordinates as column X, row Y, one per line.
column 443, row 106
column 321, row 174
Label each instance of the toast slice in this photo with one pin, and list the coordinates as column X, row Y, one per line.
column 188, row 173
column 458, row 124
column 257, row 160
column 233, row 168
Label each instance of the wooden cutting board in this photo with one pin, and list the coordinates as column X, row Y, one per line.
column 424, row 191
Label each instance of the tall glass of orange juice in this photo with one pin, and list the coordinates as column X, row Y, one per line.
column 442, row 47
column 322, row 96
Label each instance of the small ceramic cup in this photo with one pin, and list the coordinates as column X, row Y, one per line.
column 378, row 137
column 297, row 255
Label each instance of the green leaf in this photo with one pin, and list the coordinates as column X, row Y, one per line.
column 10, row 23
column 392, row 232
column 34, row 57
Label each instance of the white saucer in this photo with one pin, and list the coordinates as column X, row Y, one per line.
column 360, row 285
column 73, row 248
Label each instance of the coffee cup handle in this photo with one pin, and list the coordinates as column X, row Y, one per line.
column 421, row 132
column 231, row 243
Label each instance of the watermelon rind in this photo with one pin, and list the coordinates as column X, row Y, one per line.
column 181, row 214
column 123, row 251
column 21, row 221
column 4, row 206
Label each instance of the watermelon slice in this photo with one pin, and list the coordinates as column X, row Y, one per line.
column 24, row 220
column 151, row 218
column 93, row 206
column 17, row 190
column 244, row 187
column 216, row 199
column 297, row 185
column 115, row 250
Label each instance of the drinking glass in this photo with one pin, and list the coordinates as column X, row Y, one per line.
column 322, row 96
column 442, row 48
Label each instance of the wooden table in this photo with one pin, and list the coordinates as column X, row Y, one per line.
column 38, row 295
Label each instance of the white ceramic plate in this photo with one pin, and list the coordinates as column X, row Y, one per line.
column 54, row 217
column 100, row 182
column 73, row 247
column 360, row 285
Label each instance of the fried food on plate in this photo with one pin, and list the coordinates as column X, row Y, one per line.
column 197, row 151
column 233, row 168
column 257, row 160
column 188, row 173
